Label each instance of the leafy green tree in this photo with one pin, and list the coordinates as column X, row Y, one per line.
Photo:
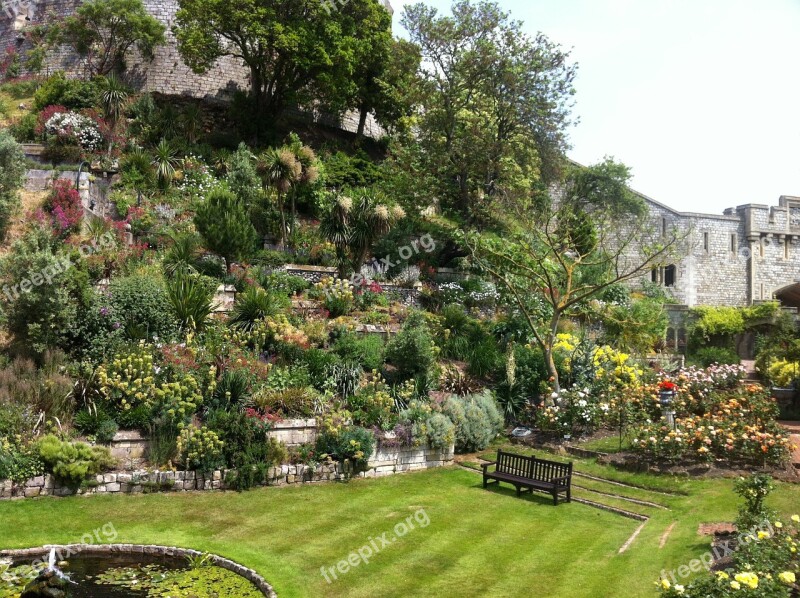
column 102, row 31
column 225, row 226
column 12, row 172
column 296, row 50
column 494, row 104
column 547, row 271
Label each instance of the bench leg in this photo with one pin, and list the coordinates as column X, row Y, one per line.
column 485, row 482
column 555, row 498
column 569, row 494
column 519, row 489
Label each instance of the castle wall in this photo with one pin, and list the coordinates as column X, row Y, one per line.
column 166, row 73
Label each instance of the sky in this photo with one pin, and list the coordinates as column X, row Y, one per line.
column 700, row 98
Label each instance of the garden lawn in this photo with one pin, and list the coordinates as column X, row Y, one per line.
column 478, row 543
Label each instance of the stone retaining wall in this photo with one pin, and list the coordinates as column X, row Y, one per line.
column 314, row 274
column 42, row 553
column 294, row 432
column 386, row 461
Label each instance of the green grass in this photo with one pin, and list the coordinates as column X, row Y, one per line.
column 478, row 543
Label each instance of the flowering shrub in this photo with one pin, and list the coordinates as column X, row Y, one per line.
column 336, row 295
column 195, row 178
column 70, row 128
column 64, row 207
column 736, row 425
column 200, row 448
column 128, row 380
column 573, row 411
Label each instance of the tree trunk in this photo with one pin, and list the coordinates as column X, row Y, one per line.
column 293, row 219
column 362, row 121
column 281, row 209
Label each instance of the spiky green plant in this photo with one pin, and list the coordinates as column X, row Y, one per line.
column 191, row 301
column 165, row 162
column 254, row 305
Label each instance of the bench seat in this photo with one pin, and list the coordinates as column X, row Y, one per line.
column 529, row 472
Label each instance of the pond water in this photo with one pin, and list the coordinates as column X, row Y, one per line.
column 132, row 575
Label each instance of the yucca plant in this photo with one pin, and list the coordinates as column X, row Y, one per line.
column 182, row 256
column 192, row 122
column 137, row 165
column 165, row 161
column 96, row 228
column 114, row 96
column 254, row 305
column 191, row 301
column 233, row 391
column 279, row 169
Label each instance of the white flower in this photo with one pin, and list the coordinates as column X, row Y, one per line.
column 554, row 395
column 582, row 403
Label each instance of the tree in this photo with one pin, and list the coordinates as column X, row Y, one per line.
column 385, row 71
column 494, row 106
column 103, row 31
column 12, row 173
column 549, row 269
column 280, row 170
column 296, row 50
column 354, row 226
column 225, row 226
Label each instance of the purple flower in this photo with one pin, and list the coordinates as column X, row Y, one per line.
column 116, row 326
column 104, row 311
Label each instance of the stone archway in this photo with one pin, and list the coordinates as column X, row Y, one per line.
column 789, row 296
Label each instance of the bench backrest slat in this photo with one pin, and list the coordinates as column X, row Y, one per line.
column 531, row 467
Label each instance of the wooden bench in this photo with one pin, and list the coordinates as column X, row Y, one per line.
column 529, row 472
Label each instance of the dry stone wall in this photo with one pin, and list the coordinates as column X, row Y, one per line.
column 385, row 461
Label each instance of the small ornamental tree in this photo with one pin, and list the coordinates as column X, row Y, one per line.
column 64, row 206
column 225, row 226
column 12, row 170
column 102, row 31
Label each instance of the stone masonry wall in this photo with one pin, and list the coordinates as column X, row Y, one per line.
column 385, row 461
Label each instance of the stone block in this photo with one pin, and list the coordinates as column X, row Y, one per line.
column 113, row 487
column 32, row 491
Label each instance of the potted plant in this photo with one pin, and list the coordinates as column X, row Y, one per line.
column 666, row 392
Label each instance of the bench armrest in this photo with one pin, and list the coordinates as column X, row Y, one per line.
column 485, row 465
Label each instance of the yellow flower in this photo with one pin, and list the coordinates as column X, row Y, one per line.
column 735, row 585
column 796, row 518
column 787, row 577
column 722, row 575
column 665, row 584
column 763, row 535
column 778, row 524
column 748, row 578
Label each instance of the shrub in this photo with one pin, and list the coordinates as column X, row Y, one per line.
column 352, row 444
column 477, row 421
column 233, row 390
column 64, row 205
column 46, row 389
column 254, row 305
column 365, row 350
column 484, row 358
column 128, row 380
column 289, row 402
column 336, row 295
column 191, row 301
column 41, row 318
column 72, row 461
column 441, row 431
column 281, row 282
column 143, row 306
column 24, row 128
column 200, row 449
column 706, row 356
column 345, row 377
column 225, row 226
column 12, row 171
column 96, row 423
column 70, row 93
column 412, row 351
column 19, row 463
column 372, row 406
